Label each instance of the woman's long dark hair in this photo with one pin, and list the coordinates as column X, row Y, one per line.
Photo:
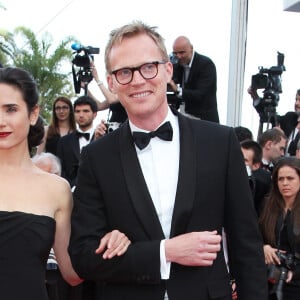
column 54, row 126
column 25, row 83
column 274, row 203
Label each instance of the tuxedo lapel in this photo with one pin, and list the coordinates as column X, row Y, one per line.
column 186, row 187
column 137, row 187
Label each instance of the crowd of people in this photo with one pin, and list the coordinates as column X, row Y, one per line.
column 168, row 205
column 273, row 162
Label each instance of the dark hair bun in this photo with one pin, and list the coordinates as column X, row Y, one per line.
column 36, row 133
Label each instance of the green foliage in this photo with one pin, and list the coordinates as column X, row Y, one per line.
column 51, row 67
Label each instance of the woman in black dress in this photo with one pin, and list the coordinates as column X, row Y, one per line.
column 35, row 206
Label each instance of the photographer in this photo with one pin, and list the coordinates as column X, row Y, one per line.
column 288, row 122
column 280, row 224
column 194, row 81
column 117, row 114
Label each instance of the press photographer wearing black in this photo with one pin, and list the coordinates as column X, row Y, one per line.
column 280, row 226
column 269, row 81
column 116, row 112
column 194, row 82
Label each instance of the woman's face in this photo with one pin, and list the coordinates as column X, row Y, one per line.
column 14, row 117
column 288, row 182
column 62, row 110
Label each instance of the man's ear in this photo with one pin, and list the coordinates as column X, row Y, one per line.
column 110, row 83
column 34, row 115
column 268, row 145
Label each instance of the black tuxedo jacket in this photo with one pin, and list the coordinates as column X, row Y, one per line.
column 68, row 150
column 213, row 192
column 199, row 92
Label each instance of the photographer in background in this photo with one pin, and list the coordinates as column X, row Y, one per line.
column 194, row 81
column 288, row 122
column 117, row 114
column 280, row 226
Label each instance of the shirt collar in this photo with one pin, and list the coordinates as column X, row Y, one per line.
column 170, row 117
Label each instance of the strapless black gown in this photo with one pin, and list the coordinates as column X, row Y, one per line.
column 25, row 242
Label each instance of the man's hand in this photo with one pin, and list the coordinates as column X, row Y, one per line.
column 194, row 248
column 100, row 130
column 173, row 85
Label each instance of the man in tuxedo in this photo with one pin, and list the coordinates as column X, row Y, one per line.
column 259, row 178
column 194, row 81
column 70, row 145
column 273, row 143
column 162, row 180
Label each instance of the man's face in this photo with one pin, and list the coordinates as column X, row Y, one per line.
column 277, row 149
column 183, row 51
column 297, row 103
column 84, row 116
column 142, row 98
column 248, row 157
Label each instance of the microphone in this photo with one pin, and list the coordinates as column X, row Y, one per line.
column 89, row 49
column 77, row 47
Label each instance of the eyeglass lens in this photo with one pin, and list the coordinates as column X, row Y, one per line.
column 61, row 107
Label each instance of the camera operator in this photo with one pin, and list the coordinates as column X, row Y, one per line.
column 194, row 81
column 288, row 122
column 280, row 224
column 117, row 114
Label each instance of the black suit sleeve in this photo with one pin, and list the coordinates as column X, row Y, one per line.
column 140, row 263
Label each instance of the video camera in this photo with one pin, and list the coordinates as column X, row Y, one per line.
column 83, row 58
column 270, row 81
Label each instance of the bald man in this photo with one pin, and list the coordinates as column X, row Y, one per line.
column 194, row 81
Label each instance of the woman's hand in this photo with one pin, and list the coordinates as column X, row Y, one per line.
column 289, row 276
column 114, row 243
column 270, row 255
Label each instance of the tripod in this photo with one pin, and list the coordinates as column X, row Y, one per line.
column 268, row 118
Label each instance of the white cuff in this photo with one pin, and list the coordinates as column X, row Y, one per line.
column 164, row 265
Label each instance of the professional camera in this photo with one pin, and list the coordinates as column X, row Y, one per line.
column 83, row 58
column 278, row 273
column 111, row 126
column 270, row 81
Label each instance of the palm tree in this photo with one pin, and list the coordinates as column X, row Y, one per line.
column 22, row 49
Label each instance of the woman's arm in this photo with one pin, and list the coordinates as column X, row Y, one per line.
column 62, row 234
column 109, row 96
column 112, row 244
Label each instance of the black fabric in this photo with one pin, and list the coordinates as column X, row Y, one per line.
column 80, row 134
column 142, row 139
column 293, row 145
column 25, row 242
column 51, row 144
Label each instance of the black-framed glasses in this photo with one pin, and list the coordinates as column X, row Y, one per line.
column 147, row 71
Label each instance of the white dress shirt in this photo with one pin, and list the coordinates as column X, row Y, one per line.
column 160, row 164
column 83, row 141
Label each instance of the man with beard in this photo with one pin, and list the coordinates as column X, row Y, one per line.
column 70, row 145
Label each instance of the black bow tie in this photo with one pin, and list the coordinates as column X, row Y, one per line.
column 142, row 139
column 86, row 135
column 269, row 167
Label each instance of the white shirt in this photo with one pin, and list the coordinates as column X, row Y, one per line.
column 160, row 165
column 83, row 141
